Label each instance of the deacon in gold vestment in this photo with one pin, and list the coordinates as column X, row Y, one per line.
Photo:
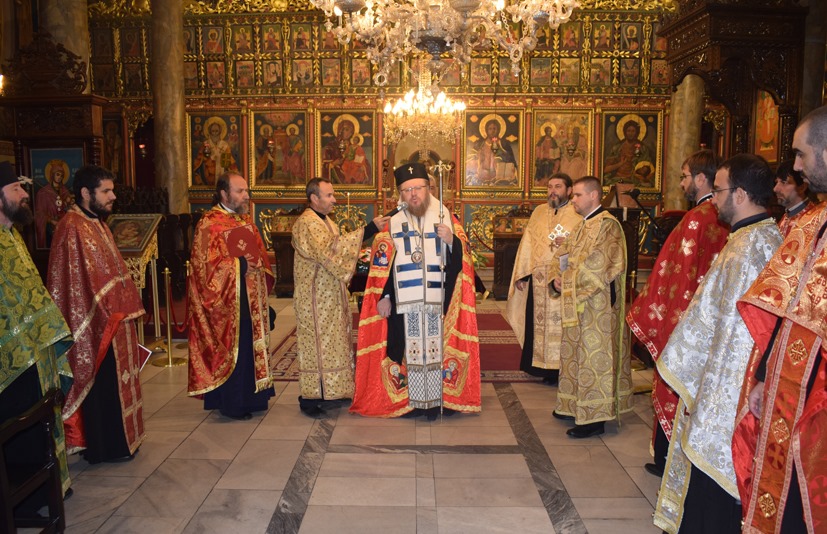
column 706, row 357
column 532, row 313
column 34, row 337
column 324, row 263
column 595, row 370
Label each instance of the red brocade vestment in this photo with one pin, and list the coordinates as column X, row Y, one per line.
column 678, row 271
column 381, row 385
column 793, row 426
column 91, row 286
column 213, row 291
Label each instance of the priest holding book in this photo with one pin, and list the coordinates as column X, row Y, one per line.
column 229, row 328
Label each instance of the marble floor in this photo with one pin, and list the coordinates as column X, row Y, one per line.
column 509, row 469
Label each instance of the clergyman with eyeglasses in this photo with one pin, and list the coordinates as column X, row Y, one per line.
column 682, row 263
column 705, row 360
column 402, row 329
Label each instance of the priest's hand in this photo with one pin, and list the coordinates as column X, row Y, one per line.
column 755, row 397
column 381, row 222
column 253, row 262
column 559, row 240
column 384, row 307
column 520, row 285
column 445, row 233
column 557, row 284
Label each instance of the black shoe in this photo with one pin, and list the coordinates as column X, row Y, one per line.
column 313, row 411
column 551, row 380
column 122, row 459
column 243, row 417
column 586, row 431
column 69, row 493
column 562, row 417
column 654, row 469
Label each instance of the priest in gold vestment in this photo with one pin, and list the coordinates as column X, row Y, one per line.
column 595, row 371
column 531, row 312
column 324, row 262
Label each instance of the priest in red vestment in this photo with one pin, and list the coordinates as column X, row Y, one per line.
column 680, row 267
column 792, row 195
column 779, row 449
column 91, row 285
column 229, row 327
column 409, row 356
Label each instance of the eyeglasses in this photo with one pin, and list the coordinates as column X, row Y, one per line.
column 416, row 188
column 682, row 176
column 715, row 190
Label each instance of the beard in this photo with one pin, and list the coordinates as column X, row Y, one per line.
column 419, row 211
column 818, row 178
column 691, row 193
column 555, row 202
column 101, row 210
column 17, row 213
column 726, row 211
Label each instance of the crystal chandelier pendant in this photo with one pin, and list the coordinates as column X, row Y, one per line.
column 424, row 114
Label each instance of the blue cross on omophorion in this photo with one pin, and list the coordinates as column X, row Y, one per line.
column 429, row 235
column 406, row 234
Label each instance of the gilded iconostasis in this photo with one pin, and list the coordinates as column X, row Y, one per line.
column 278, row 98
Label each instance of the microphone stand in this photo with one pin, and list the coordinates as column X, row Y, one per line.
column 634, row 193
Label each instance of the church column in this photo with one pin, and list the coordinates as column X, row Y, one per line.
column 685, row 115
column 68, row 22
column 167, row 81
column 813, row 62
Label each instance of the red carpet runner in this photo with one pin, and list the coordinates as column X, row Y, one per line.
column 499, row 351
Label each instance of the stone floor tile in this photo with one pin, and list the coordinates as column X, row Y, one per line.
column 368, row 465
column 487, row 492
column 480, row 466
column 501, row 520
column 352, row 491
column 234, row 511
column 359, row 520
column 261, row 465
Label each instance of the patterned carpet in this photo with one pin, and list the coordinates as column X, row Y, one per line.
column 499, row 352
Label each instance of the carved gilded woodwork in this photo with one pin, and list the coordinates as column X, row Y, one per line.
column 737, row 51
column 274, row 54
column 44, row 68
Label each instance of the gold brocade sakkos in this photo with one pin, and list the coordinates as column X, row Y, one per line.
column 595, row 367
column 91, row 286
column 323, row 265
column 539, row 258
column 213, row 290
